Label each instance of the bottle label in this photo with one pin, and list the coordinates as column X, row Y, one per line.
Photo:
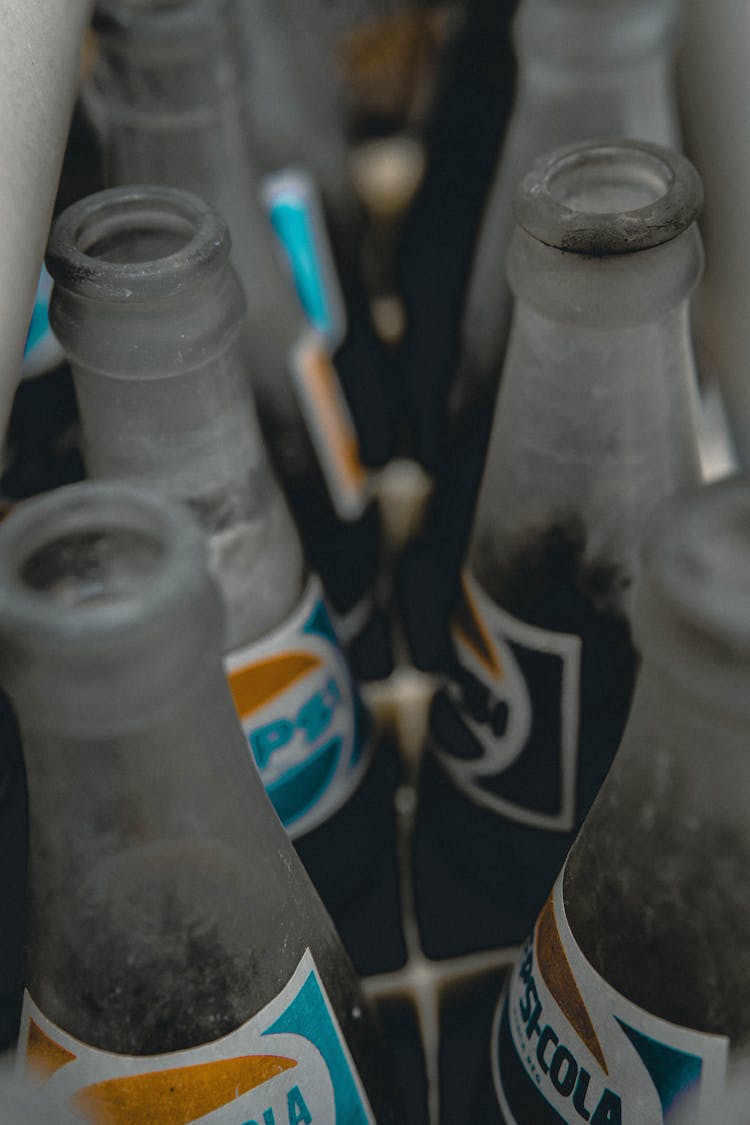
column 566, row 1047
column 305, row 723
column 288, row 1065
column 505, row 727
column 331, row 426
column 42, row 351
column 293, row 204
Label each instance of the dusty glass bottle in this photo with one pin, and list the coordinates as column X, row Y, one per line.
column 166, row 97
column 586, row 69
column 149, row 311
column 178, row 959
column 639, row 967
column 594, row 427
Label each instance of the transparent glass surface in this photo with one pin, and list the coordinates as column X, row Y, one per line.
column 166, row 905
column 168, row 404
column 655, row 886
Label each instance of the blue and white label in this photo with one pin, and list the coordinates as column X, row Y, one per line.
column 506, row 725
column 566, row 1047
column 288, row 1065
column 306, row 726
column 42, row 352
column 293, row 203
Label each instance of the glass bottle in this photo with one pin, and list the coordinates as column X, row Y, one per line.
column 166, row 96
column 594, row 427
column 640, row 962
column 149, row 311
column 585, row 69
column 178, row 959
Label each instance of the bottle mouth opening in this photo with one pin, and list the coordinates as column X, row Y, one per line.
column 131, row 242
column 608, row 197
column 105, row 566
column 608, row 180
column 96, row 559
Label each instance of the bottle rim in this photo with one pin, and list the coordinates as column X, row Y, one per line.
column 76, row 514
column 607, row 197
column 86, row 231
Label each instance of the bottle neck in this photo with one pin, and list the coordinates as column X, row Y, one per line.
column 194, row 437
column 190, row 46
column 582, row 36
column 180, row 419
column 594, row 428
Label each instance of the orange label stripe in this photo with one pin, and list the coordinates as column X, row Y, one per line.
column 256, row 685
column 468, row 623
column 44, row 1057
column 178, row 1096
column 340, row 437
column 558, row 976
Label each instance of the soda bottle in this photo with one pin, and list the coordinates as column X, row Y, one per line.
column 166, row 97
column 179, row 965
column 586, row 69
column 594, row 426
column 633, row 992
column 149, row 311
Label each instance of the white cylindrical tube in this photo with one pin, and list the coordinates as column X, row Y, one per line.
column 40, row 49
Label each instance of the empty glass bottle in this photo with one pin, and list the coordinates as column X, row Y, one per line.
column 634, row 989
column 586, row 69
column 166, row 96
column 179, row 963
column 594, row 427
column 149, row 311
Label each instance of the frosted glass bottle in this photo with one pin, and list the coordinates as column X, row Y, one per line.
column 587, row 69
column 179, row 964
column 167, row 99
column 594, row 427
column 639, row 966
column 149, row 311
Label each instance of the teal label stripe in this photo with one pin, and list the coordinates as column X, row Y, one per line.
column 301, row 788
column 293, row 223
column 309, row 1016
column 39, row 326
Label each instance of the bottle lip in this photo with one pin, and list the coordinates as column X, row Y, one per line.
column 547, row 199
column 86, row 510
column 201, row 238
